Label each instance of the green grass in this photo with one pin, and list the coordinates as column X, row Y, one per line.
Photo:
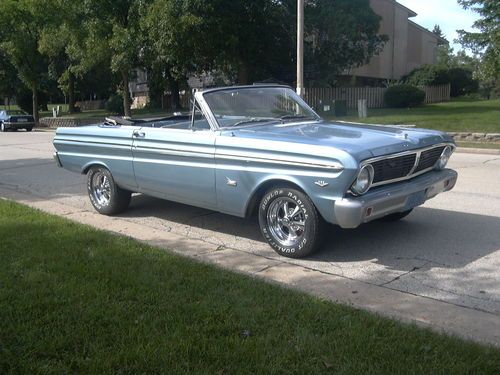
column 487, row 145
column 77, row 300
column 458, row 115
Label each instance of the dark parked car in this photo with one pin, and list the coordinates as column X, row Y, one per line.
column 16, row 119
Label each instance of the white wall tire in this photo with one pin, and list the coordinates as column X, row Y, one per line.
column 104, row 194
column 290, row 223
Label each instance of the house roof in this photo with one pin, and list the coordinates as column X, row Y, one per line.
column 411, row 13
column 428, row 31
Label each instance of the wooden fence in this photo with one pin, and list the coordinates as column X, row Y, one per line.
column 437, row 94
column 316, row 97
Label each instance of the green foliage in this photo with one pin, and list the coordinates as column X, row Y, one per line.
column 404, row 96
column 115, row 104
column 485, row 42
column 462, row 82
column 21, row 24
column 341, row 34
column 427, row 75
column 9, row 81
column 460, row 79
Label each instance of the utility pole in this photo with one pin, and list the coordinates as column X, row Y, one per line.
column 300, row 47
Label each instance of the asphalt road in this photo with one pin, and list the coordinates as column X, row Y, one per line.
column 447, row 250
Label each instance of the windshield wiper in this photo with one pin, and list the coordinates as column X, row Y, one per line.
column 296, row 117
column 253, row 121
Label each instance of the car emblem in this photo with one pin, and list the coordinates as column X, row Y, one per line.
column 322, row 184
column 230, row 182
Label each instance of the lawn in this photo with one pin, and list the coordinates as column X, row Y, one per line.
column 77, row 300
column 480, row 116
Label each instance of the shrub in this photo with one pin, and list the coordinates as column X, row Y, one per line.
column 427, row 75
column 115, row 104
column 462, row 82
column 404, row 96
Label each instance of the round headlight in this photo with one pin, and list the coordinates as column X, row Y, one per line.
column 364, row 180
column 444, row 158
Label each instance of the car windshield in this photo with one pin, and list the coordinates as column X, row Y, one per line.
column 256, row 105
column 15, row 112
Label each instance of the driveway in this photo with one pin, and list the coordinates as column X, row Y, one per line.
column 447, row 252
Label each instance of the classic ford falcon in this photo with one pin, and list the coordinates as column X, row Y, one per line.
column 262, row 148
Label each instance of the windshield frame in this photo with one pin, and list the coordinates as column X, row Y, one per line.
column 215, row 123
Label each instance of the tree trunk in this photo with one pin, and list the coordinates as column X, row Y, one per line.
column 176, row 99
column 71, row 93
column 34, row 90
column 126, row 95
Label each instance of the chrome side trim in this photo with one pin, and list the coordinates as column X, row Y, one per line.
column 411, row 174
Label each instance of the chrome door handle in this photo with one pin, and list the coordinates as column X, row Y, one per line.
column 138, row 134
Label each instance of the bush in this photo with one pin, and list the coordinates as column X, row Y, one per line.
column 462, row 82
column 404, row 96
column 460, row 79
column 427, row 75
column 115, row 104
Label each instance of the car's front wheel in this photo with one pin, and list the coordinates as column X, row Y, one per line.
column 105, row 195
column 289, row 222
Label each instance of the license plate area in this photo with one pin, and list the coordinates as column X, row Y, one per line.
column 22, row 120
column 415, row 200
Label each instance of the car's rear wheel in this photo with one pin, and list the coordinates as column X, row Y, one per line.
column 3, row 128
column 289, row 222
column 397, row 216
column 105, row 195
column 29, row 129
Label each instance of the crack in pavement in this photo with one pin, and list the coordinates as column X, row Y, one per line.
column 402, row 275
column 489, row 161
column 454, row 293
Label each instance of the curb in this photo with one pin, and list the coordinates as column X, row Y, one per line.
column 484, row 151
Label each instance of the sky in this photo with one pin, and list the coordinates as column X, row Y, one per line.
column 446, row 13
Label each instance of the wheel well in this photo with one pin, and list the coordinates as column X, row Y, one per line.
column 87, row 168
column 263, row 188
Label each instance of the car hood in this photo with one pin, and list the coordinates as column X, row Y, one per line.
column 360, row 140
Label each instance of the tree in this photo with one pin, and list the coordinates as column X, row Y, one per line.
column 114, row 36
column 62, row 41
column 484, row 42
column 21, row 23
column 439, row 33
column 341, row 34
column 9, row 81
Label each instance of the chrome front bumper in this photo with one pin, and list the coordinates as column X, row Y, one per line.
column 400, row 197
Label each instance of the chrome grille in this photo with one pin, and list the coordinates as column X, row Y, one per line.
column 390, row 169
column 406, row 165
column 429, row 158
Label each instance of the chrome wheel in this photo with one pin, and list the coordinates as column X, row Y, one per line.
column 101, row 188
column 286, row 221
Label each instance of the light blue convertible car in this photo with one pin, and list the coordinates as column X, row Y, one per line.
column 262, row 148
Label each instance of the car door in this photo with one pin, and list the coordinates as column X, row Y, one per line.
column 176, row 163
